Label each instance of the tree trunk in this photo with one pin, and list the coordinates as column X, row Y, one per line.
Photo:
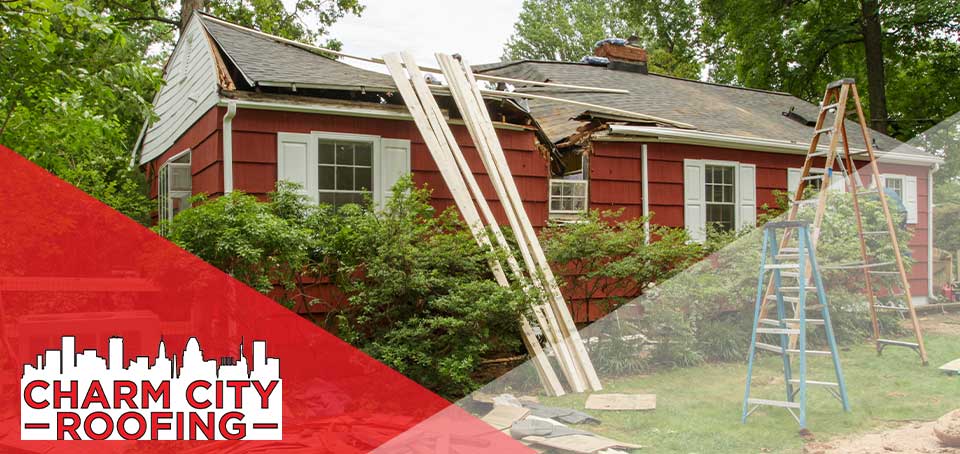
column 876, row 81
column 186, row 9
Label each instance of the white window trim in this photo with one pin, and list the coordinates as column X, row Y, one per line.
column 376, row 141
column 167, row 214
column 739, row 220
column 586, row 196
column 910, row 200
column 380, row 174
column 736, row 190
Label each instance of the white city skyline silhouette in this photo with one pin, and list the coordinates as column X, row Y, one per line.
column 259, row 403
column 67, row 362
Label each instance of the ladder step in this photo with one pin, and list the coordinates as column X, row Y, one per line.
column 790, row 351
column 805, row 202
column 789, row 250
column 823, row 130
column 884, row 272
column 782, row 266
column 877, row 232
column 810, row 288
column 815, row 383
column 790, row 274
column 769, row 321
column 789, row 299
column 893, row 308
column 818, row 176
column 789, row 331
column 856, row 265
column 840, row 82
column 773, row 403
column 830, row 106
column 897, row 343
column 810, row 321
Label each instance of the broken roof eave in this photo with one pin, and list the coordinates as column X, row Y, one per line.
column 670, row 135
column 295, row 85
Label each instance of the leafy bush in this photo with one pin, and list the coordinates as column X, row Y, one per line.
column 419, row 294
column 605, row 261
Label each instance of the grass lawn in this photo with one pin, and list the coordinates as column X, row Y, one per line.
column 698, row 409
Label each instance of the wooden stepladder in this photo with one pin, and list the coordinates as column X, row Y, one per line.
column 835, row 101
column 794, row 264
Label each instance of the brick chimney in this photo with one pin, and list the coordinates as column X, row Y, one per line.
column 623, row 57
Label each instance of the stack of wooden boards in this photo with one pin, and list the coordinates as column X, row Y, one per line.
column 550, row 310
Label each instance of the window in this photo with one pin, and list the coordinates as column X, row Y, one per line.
column 345, row 171
column 721, row 200
column 568, row 196
column 174, row 186
column 895, row 184
column 340, row 168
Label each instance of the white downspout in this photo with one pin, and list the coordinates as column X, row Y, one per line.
column 228, row 146
column 645, row 189
column 930, row 206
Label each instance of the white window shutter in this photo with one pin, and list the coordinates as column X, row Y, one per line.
column 296, row 161
column 910, row 197
column 694, row 198
column 793, row 180
column 394, row 164
column 747, row 195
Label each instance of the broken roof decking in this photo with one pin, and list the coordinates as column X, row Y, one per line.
column 709, row 107
column 269, row 62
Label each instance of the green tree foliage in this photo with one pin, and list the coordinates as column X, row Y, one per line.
column 73, row 96
column 799, row 46
column 564, row 30
column 307, row 20
column 568, row 30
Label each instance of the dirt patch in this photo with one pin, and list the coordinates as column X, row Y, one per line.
column 940, row 323
column 909, row 439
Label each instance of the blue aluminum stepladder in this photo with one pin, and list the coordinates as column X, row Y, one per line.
column 792, row 263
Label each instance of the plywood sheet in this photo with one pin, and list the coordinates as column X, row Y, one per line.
column 502, row 417
column 952, row 368
column 585, row 444
column 621, row 402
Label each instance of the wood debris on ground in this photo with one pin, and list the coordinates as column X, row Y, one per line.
column 621, row 402
column 951, row 368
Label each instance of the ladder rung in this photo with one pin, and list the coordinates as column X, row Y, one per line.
column 790, row 351
column 815, row 383
column 782, row 266
column 789, row 250
column 789, row 331
column 810, row 321
column 789, row 299
column 830, row 106
column 856, row 265
column 894, row 308
column 816, row 176
column 770, row 322
column 790, row 274
column 788, row 256
column 897, row 343
column 773, row 403
column 877, row 232
column 867, row 192
column 813, row 307
column 797, row 289
column 804, row 202
column 884, row 272
column 823, row 130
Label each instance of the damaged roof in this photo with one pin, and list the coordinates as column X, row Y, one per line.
column 263, row 60
column 707, row 106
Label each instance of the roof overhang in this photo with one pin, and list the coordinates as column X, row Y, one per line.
column 711, row 139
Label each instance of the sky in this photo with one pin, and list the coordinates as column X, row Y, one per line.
column 475, row 29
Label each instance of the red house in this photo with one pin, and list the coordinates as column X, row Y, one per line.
column 241, row 110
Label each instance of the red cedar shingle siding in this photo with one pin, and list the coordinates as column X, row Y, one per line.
column 615, row 182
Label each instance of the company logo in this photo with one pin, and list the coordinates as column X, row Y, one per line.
column 80, row 396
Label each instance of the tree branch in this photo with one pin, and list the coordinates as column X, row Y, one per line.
column 150, row 19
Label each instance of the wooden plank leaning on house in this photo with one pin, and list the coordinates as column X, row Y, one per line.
column 439, row 148
column 544, row 317
column 474, row 112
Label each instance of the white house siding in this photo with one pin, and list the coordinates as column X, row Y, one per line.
column 190, row 90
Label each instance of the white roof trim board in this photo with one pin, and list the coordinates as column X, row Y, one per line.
column 627, row 132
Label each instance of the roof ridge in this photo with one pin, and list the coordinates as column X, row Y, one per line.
column 492, row 67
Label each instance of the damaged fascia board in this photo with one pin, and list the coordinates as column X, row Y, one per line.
column 629, row 133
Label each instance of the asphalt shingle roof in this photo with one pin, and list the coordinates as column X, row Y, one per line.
column 262, row 59
column 709, row 107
